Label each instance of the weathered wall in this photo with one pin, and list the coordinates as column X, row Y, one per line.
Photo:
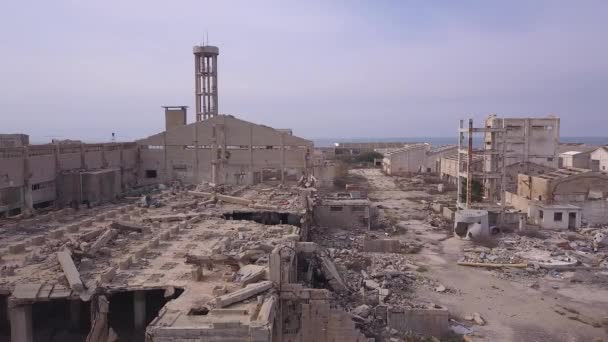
column 101, row 186
column 594, row 212
column 601, row 157
column 547, row 219
column 342, row 216
column 578, row 161
column 533, row 140
column 514, row 170
column 433, row 159
column 573, row 190
column 518, row 202
column 410, row 160
column 29, row 175
column 222, row 149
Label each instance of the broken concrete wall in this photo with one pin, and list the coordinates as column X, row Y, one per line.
column 382, row 246
column 432, row 321
column 343, row 216
column 518, row 202
column 33, row 171
column 410, row 159
column 325, row 174
column 512, row 172
column 321, row 323
column 101, row 186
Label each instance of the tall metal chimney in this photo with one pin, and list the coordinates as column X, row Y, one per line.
column 205, row 76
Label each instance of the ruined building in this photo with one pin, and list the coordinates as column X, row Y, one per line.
column 223, row 150
column 197, row 233
column 511, row 146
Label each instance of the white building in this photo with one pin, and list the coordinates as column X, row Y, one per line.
column 434, row 155
column 411, row 158
column 599, row 159
column 555, row 216
column 575, row 159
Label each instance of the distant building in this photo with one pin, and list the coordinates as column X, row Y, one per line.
column 575, row 159
column 585, row 189
column 434, row 156
column 408, row 159
column 599, row 159
column 356, row 148
column 449, row 167
column 224, row 150
column 528, row 142
column 14, row 140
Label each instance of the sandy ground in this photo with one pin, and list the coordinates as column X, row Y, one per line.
column 513, row 310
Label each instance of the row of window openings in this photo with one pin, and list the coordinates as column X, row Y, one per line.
column 557, row 217
column 39, row 186
column 231, row 147
column 352, row 208
column 539, row 127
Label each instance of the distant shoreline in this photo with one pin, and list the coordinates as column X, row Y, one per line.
column 437, row 141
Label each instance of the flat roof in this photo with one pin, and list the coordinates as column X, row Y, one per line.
column 147, row 249
column 557, row 206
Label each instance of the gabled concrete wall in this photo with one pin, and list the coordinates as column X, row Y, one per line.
column 599, row 158
column 406, row 161
column 222, row 149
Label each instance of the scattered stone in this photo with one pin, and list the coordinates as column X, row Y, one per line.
column 362, row 310
column 478, row 319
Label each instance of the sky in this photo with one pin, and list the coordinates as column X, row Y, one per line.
column 327, row 69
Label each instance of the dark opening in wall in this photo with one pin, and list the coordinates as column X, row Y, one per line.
column 14, row 212
column 202, row 311
column 5, row 328
column 151, row 174
column 43, row 205
column 63, row 320
column 264, row 217
column 122, row 305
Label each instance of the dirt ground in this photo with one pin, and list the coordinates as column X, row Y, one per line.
column 523, row 308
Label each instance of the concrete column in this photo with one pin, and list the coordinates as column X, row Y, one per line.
column 282, row 158
column 196, row 179
column 214, row 157
column 104, row 159
column 21, row 323
column 139, row 309
column 75, row 311
column 83, row 161
column 122, row 168
column 28, row 202
column 165, row 167
column 251, row 177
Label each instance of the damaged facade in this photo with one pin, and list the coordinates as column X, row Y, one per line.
column 197, row 233
column 224, row 150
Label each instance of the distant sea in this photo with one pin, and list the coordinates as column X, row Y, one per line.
column 437, row 141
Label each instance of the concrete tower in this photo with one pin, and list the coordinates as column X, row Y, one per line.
column 205, row 75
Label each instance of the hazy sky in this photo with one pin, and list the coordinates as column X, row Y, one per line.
column 84, row 69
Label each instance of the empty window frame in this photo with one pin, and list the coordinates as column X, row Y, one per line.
column 557, row 217
column 151, row 174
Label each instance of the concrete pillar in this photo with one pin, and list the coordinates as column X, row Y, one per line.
column 139, row 309
column 83, row 161
column 28, row 202
column 214, row 156
column 21, row 323
column 122, row 168
column 75, row 311
column 282, row 158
